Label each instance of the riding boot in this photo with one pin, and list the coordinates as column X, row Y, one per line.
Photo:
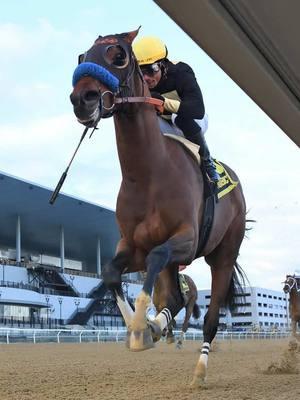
column 204, row 153
column 208, row 163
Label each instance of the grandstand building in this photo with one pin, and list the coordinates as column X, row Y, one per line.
column 51, row 258
column 262, row 309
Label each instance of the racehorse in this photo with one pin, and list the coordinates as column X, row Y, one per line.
column 189, row 302
column 292, row 286
column 160, row 204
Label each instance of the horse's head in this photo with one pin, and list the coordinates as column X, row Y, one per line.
column 104, row 71
column 289, row 283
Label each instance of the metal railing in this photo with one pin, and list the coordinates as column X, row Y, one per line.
column 15, row 335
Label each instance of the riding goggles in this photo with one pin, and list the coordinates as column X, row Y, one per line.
column 150, row 69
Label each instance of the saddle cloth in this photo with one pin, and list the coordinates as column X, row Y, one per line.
column 184, row 288
column 225, row 184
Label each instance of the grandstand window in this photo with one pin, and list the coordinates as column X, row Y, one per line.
column 243, row 304
column 242, row 295
column 241, row 314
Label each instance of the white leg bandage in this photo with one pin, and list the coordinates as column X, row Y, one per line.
column 126, row 310
column 204, row 353
column 163, row 318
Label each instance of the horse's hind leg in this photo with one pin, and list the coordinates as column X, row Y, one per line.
column 222, row 261
column 185, row 325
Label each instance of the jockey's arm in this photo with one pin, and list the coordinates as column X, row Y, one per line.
column 191, row 104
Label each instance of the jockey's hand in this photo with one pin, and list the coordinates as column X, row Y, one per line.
column 160, row 109
column 158, row 96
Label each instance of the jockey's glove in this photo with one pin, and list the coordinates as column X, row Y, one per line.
column 158, row 96
column 161, row 109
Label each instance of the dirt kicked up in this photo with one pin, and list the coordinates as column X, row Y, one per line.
column 238, row 370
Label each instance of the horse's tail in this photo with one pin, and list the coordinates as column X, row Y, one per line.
column 196, row 311
column 236, row 291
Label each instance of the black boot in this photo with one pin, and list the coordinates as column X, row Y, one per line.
column 207, row 160
column 209, row 166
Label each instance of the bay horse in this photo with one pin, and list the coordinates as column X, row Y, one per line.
column 292, row 286
column 189, row 302
column 161, row 199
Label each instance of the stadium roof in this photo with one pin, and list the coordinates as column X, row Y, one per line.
column 41, row 222
column 256, row 43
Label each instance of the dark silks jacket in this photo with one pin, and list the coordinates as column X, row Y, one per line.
column 182, row 96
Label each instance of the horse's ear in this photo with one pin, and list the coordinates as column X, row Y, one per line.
column 130, row 36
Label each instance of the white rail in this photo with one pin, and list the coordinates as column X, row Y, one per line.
column 17, row 335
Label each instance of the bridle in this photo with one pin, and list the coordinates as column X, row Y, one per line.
column 121, row 93
column 293, row 284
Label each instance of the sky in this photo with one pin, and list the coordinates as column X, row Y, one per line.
column 39, row 46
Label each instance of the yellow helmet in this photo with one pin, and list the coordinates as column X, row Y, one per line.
column 149, row 49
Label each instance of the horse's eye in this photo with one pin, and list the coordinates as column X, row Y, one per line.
column 116, row 56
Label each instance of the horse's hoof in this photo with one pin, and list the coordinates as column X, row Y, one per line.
column 197, row 382
column 155, row 331
column 170, row 340
column 199, row 378
column 139, row 340
column 179, row 345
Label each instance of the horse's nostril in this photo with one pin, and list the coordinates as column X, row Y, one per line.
column 75, row 99
column 91, row 96
column 88, row 97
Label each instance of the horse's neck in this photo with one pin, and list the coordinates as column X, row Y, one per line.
column 141, row 146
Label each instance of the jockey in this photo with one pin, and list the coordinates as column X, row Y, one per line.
column 176, row 85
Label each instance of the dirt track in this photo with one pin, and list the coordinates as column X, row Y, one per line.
column 109, row 371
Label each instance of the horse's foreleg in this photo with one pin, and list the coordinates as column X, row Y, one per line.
column 111, row 274
column 180, row 340
column 175, row 250
column 294, row 328
column 170, row 333
column 140, row 338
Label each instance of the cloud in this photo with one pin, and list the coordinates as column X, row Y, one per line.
column 17, row 41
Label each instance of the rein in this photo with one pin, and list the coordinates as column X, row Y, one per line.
column 144, row 99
